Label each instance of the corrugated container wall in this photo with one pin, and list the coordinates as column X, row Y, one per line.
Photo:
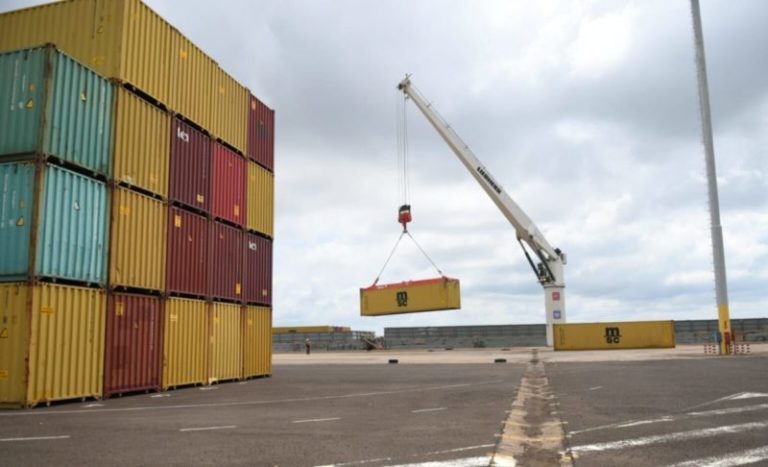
column 261, row 200
column 257, row 341
column 226, row 342
column 257, row 270
column 137, row 256
column 56, row 107
column 186, row 343
column 188, row 244
column 230, row 107
column 261, row 133
column 616, row 335
column 53, row 343
column 142, row 147
column 190, row 175
column 71, row 239
column 125, row 40
column 132, row 358
column 413, row 296
column 226, row 262
column 228, row 190
column 192, row 82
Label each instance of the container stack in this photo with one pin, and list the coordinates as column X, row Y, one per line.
column 156, row 187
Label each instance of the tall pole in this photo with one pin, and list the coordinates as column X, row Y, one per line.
column 721, row 288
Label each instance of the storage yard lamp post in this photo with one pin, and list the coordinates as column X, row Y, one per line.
column 721, row 289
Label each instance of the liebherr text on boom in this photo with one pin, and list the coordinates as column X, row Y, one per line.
column 549, row 268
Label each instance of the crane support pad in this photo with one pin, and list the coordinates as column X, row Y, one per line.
column 442, row 293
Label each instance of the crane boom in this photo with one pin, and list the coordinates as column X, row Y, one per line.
column 549, row 269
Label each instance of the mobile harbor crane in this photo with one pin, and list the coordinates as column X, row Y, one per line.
column 549, row 269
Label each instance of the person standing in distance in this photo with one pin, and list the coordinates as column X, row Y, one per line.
column 308, row 345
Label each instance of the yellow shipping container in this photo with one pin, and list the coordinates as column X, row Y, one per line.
column 125, row 40
column 257, row 341
column 261, row 200
column 192, row 87
column 51, row 343
column 230, row 111
column 310, row 329
column 138, row 241
column 410, row 297
column 226, row 342
column 186, row 344
column 622, row 335
column 142, row 144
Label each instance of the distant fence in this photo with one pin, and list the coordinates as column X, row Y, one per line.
column 321, row 341
column 528, row 335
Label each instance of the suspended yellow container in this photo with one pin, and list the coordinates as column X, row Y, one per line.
column 257, row 341
column 261, row 200
column 137, row 247
column 411, row 297
column 621, row 335
column 226, row 342
column 123, row 39
column 51, row 343
column 142, row 144
column 187, row 343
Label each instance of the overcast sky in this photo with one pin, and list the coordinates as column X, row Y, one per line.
column 586, row 113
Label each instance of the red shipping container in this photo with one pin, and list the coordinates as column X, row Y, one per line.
column 261, row 133
column 226, row 262
column 228, row 190
column 190, row 178
column 187, row 262
column 132, row 350
column 257, row 270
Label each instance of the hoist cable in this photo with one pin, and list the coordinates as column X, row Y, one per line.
column 389, row 257
column 424, row 253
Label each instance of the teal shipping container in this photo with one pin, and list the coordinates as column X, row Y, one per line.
column 69, row 238
column 53, row 106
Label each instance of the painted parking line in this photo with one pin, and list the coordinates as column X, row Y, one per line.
column 436, row 409
column 316, row 420
column 465, row 462
column 669, row 438
column 674, row 418
column 733, row 459
column 34, row 438
column 208, row 428
column 431, row 453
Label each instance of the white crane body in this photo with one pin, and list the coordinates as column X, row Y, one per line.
column 549, row 270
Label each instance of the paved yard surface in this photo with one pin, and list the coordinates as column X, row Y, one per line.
column 442, row 408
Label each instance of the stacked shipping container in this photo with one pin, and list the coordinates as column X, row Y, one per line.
column 188, row 264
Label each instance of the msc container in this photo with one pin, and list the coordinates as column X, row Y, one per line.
column 51, row 343
column 190, row 175
column 53, row 106
column 186, row 342
column 257, row 270
column 192, row 86
column 137, row 255
column 226, row 262
column 442, row 293
column 132, row 353
column 226, row 343
column 620, row 335
column 228, row 191
column 142, row 147
column 188, row 245
column 261, row 133
column 230, row 110
column 124, row 39
column 53, row 224
column 261, row 200
column 257, row 341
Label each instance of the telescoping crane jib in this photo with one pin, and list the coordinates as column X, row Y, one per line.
column 550, row 261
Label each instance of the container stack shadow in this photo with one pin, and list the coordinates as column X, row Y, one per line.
column 136, row 209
